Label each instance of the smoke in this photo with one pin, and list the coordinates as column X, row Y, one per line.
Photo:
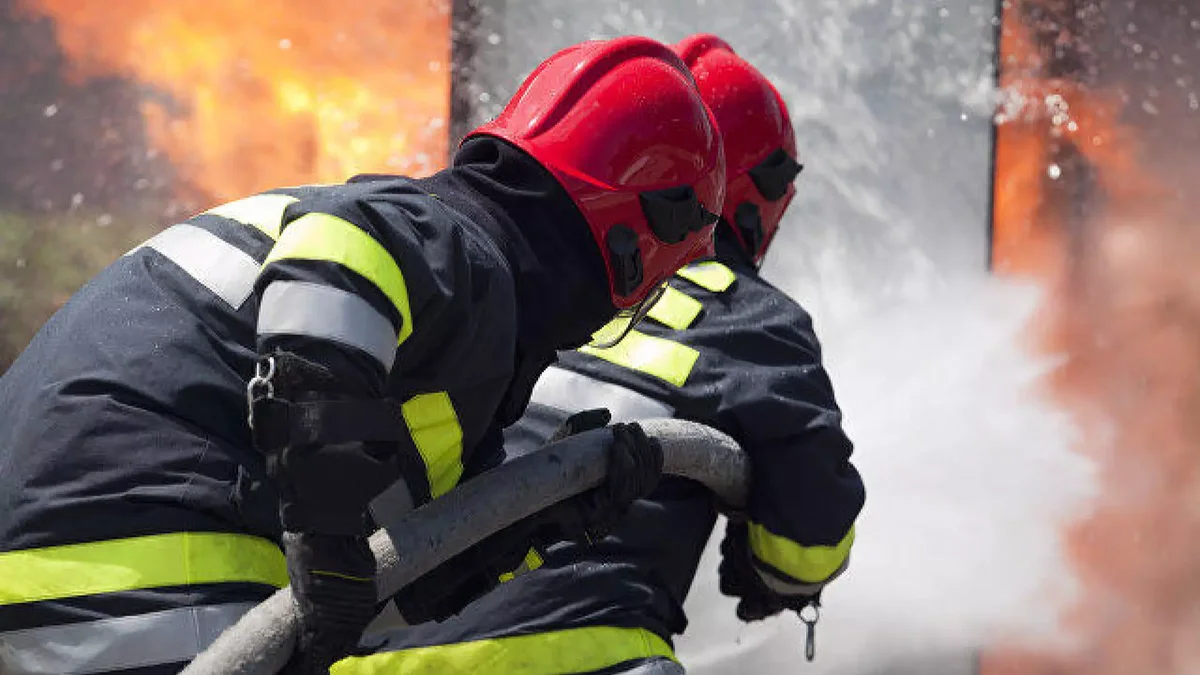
column 970, row 477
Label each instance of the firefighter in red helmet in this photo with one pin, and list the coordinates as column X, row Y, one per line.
column 145, row 510
column 724, row 348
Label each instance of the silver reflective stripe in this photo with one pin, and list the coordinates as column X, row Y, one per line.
column 327, row 313
column 169, row 636
column 655, row 667
column 219, row 266
column 571, row 391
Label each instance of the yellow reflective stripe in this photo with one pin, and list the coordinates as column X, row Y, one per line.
column 709, row 275
column 532, row 561
column 810, row 564
column 576, row 650
column 664, row 359
column 435, row 431
column 264, row 212
column 320, row 236
column 675, row 309
column 179, row 559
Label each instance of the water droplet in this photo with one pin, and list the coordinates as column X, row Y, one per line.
column 963, row 117
column 76, row 199
column 1149, row 107
column 56, row 165
column 50, row 110
column 493, row 39
column 104, row 220
column 435, row 66
column 1137, row 48
column 484, row 97
column 943, row 12
column 1072, row 126
column 1193, row 101
column 285, row 44
column 556, row 24
column 141, row 184
column 1054, row 171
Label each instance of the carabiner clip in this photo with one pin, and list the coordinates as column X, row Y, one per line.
column 810, row 624
column 260, row 386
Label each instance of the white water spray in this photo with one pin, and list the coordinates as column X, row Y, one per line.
column 969, row 478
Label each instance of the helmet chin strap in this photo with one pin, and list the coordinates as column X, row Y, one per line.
column 635, row 314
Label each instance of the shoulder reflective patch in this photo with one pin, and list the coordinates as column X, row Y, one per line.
column 224, row 269
column 709, row 275
column 117, row 644
column 664, row 359
column 806, row 564
column 575, row 650
column 435, row 431
column 571, row 391
column 264, row 212
column 675, row 309
column 319, row 236
column 178, row 559
column 327, row 313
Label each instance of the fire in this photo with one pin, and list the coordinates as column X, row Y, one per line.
column 1124, row 311
column 244, row 96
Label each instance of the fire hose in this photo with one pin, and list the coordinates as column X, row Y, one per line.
column 409, row 545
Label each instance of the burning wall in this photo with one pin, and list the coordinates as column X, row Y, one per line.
column 245, row 96
column 1094, row 160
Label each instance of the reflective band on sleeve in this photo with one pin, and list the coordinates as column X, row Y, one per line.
column 571, row 391
column 709, row 275
column 664, row 359
column 319, row 236
column 118, row 644
column 809, row 564
column 435, row 431
column 326, row 313
column 576, row 650
column 264, row 212
column 675, row 309
column 178, row 559
column 222, row 268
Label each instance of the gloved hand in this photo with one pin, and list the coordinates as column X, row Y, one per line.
column 739, row 579
column 325, row 483
column 333, row 582
column 634, row 466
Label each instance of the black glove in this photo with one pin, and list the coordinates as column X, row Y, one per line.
column 634, row 466
column 739, row 579
column 333, row 582
column 324, row 490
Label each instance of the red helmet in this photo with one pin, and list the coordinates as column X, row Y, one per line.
column 621, row 126
column 760, row 146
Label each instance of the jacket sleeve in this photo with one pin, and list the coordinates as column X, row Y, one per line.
column 351, row 267
column 805, row 493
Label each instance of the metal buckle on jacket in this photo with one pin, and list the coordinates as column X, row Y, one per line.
column 260, row 386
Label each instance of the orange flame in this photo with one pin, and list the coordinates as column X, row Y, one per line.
column 244, row 96
column 1124, row 311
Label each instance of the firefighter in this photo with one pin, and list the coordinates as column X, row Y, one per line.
column 381, row 332
column 724, row 348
